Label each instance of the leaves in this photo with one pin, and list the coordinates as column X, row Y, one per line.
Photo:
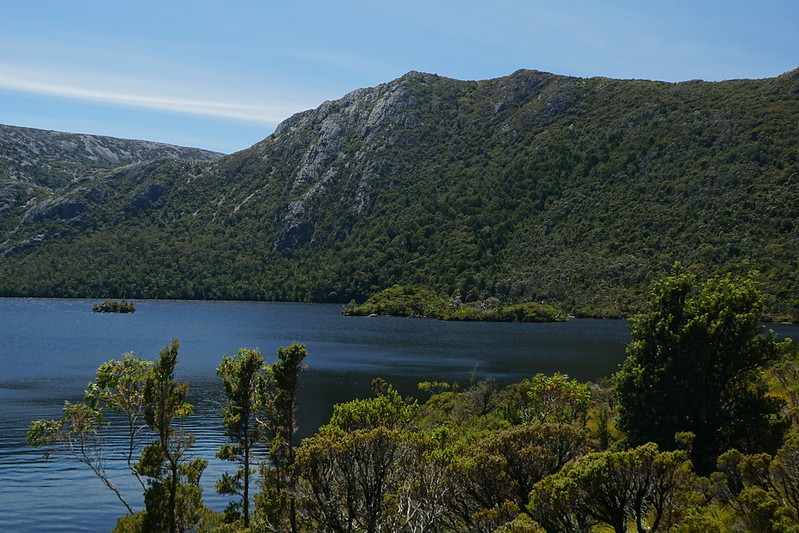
column 424, row 303
column 638, row 486
column 244, row 381
column 694, row 364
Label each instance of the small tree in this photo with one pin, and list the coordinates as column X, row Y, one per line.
column 639, row 486
column 80, row 434
column 348, row 477
column 763, row 490
column 423, row 489
column 164, row 460
column 277, row 501
column 784, row 473
column 146, row 397
column 555, row 399
column 694, row 364
column 505, row 465
column 361, row 472
column 243, row 379
column 119, row 387
column 82, row 431
column 386, row 409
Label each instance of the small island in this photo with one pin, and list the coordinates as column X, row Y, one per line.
column 414, row 302
column 114, row 306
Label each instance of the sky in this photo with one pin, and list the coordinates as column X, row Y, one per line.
column 222, row 74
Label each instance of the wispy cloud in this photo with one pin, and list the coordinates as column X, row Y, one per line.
column 143, row 94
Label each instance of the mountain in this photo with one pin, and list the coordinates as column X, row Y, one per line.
column 38, row 166
column 54, row 159
column 578, row 192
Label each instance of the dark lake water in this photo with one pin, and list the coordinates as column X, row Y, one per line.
column 50, row 350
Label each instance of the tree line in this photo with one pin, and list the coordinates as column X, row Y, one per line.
column 697, row 431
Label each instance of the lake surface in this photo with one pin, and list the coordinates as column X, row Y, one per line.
column 50, row 350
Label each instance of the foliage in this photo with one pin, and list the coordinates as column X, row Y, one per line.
column 244, row 381
column 762, row 490
column 145, row 398
column 353, row 468
column 544, row 398
column 402, row 301
column 119, row 387
column 423, row 303
column 461, row 461
column 520, row 312
column 79, row 434
column 82, row 431
column 532, row 456
column 386, row 409
column 694, row 364
column 114, row 306
column 173, row 497
column 785, row 375
column 503, row 467
column 348, row 477
column 276, row 505
column 531, row 187
column 639, row 486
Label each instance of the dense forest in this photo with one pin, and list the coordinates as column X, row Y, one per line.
column 534, row 187
column 697, row 431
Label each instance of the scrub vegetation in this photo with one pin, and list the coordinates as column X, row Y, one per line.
column 697, row 431
column 423, row 303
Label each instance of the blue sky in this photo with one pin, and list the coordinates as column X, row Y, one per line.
column 222, row 74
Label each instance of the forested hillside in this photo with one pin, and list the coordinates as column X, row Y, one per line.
column 44, row 174
column 532, row 187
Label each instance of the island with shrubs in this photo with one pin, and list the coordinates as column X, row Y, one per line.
column 114, row 306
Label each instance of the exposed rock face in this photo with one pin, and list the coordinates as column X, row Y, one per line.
column 344, row 137
column 358, row 139
column 52, row 159
column 50, row 175
column 64, row 208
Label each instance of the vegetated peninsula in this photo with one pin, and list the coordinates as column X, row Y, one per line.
column 526, row 188
column 414, row 302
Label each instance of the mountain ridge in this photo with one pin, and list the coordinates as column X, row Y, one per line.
column 532, row 186
column 32, row 148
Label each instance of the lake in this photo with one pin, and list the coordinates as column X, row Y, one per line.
column 50, row 350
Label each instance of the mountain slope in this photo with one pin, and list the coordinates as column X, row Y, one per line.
column 532, row 186
column 53, row 159
column 36, row 165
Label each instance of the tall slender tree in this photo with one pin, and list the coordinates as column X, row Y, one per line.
column 244, row 379
column 165, row 401
column 280, row 400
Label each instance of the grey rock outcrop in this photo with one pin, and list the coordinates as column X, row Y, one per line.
column 345, row 136
column 57, row 176
column 53, row 159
